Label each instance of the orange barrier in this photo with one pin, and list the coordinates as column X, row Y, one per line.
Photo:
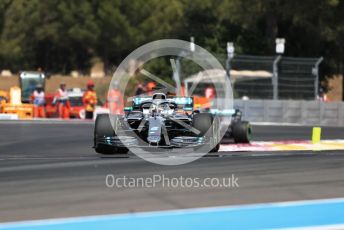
column 24, row 111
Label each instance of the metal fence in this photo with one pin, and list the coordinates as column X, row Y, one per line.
column 289, row 77
column 292, row 78
column 254, row 87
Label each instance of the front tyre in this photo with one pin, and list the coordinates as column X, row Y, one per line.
column 102, row 129
column 204, row 122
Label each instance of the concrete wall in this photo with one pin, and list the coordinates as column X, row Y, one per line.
column 287, row 111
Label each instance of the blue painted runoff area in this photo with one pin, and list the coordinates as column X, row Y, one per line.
column 299, row 214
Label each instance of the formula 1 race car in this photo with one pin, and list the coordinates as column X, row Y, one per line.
column 164, row 122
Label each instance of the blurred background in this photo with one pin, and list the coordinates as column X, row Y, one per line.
column 77, row 40
column 285, row 60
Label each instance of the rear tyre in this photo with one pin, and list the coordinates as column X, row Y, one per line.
column 242, row 132
column 103, row 128
column 204, row 122
column 215, row 149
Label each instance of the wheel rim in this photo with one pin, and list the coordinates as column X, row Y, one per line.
column 249, row 132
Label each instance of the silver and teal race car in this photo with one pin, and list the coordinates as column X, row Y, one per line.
column 165, row 122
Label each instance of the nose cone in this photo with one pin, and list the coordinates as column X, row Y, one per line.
column 154, row 139
column 154, row 131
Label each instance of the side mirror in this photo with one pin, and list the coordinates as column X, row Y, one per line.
column 128, row 109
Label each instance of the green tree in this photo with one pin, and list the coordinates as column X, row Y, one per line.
column 61, row 35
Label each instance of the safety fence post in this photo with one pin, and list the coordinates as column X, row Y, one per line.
column 275, row 77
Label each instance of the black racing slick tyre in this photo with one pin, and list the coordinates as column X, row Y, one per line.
column 242, row 132
column 103, row 128
column 204, row 122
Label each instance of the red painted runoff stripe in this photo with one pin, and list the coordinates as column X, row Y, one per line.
column 287, row 145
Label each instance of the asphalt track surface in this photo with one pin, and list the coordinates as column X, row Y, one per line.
column 51, row 171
